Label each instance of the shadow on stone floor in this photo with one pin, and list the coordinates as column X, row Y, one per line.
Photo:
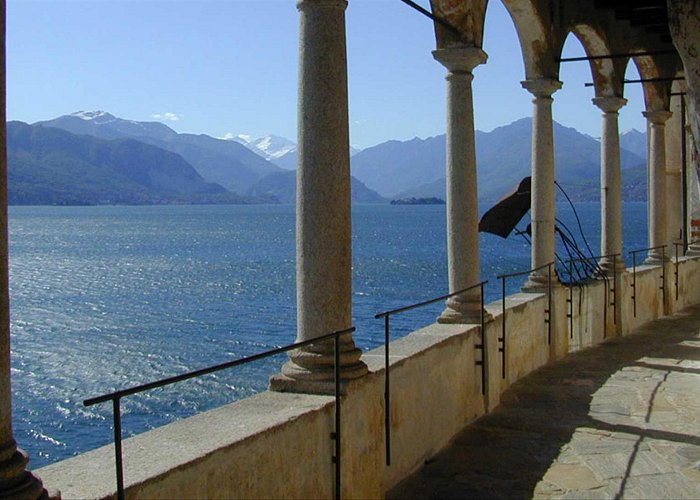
column 507, row 453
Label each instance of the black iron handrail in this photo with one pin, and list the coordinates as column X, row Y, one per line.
column 548, row 311
column 634, row 275
column 116, row 397
column 387, row 390
column 599, row 273
column 676, row 246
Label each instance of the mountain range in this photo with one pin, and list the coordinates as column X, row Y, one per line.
column 51, row 166
column 228, row 163
column 204, row 169
column 280, row 151
column 228, row 168
column 273, row 148
column 416, row 168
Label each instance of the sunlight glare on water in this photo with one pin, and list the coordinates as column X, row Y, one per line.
column 104, row 298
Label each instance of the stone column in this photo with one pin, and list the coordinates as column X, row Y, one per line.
column 693, row 198
column 543, row 209
column 462, row 196
column 674, row 208
column 656, row 121
column 15, row 480
column 674, row 184
column 610, row 184
column 323, row 228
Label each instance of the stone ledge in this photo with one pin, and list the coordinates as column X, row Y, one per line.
column 415, row 343
column 157, row 452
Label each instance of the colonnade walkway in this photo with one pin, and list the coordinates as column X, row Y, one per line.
column 620, row 420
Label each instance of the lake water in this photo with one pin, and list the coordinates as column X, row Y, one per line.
column 108, row 297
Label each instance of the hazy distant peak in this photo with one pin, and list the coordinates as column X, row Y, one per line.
column 635, row 141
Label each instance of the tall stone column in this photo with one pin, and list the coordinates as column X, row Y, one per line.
column 610, row 184
column 462, row 196
column 656, row 121
column 323, row 228
column 543, row 209
column 693, row 222
column 15, row 480
column 674, row 207
column 674, row 184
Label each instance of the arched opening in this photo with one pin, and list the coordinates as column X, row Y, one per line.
column 676, row 168
column 532, row 26
column 635, row 180
column 503, row 111
column 577, row 126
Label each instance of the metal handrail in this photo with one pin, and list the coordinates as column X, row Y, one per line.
column 612, row 291
column 523, row 273
column 634, row 275
column 594, row 257
column 548, row 311
column 116, row 397
column 387, row 385
column 685, row 246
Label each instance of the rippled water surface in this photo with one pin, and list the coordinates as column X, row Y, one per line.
column 108, row 297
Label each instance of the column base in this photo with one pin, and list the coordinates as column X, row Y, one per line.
column 655, row 259
column 307, row 382
column 318, row 374
column 17, row 483
column 469, row 316
column 536, row 283
column 611, row 267
column 693, row 251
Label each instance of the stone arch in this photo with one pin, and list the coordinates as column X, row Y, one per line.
column 538, row 37
column 607, row 73
column 656, row 94
column 467, row 17
column 533, row 24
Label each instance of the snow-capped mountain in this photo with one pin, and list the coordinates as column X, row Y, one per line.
column 98, row 116
column 227, row 163
column 278, row 150
column 270, row 147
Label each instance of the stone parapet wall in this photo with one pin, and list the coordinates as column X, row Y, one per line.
column 277, row 445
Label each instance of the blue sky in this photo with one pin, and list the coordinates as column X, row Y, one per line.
column 220, row 67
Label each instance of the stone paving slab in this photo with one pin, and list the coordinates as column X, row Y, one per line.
column 621, row 420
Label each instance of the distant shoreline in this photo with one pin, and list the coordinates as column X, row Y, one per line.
column 418, row 201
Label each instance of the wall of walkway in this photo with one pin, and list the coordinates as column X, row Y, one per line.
column 277, row 445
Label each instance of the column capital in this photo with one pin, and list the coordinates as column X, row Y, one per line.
column 609, row 104
column 338, row 4
column 658, row 117
column 460, row 58
column 542, row 87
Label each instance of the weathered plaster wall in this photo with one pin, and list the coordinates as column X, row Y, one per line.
column 435, row 392
column 684, row 22
column 688, row 279
column 277, row 445
column 526, row 338
column 589, row 309
column 649, row 296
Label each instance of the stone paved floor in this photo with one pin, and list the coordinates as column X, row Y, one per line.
column 621, row 420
